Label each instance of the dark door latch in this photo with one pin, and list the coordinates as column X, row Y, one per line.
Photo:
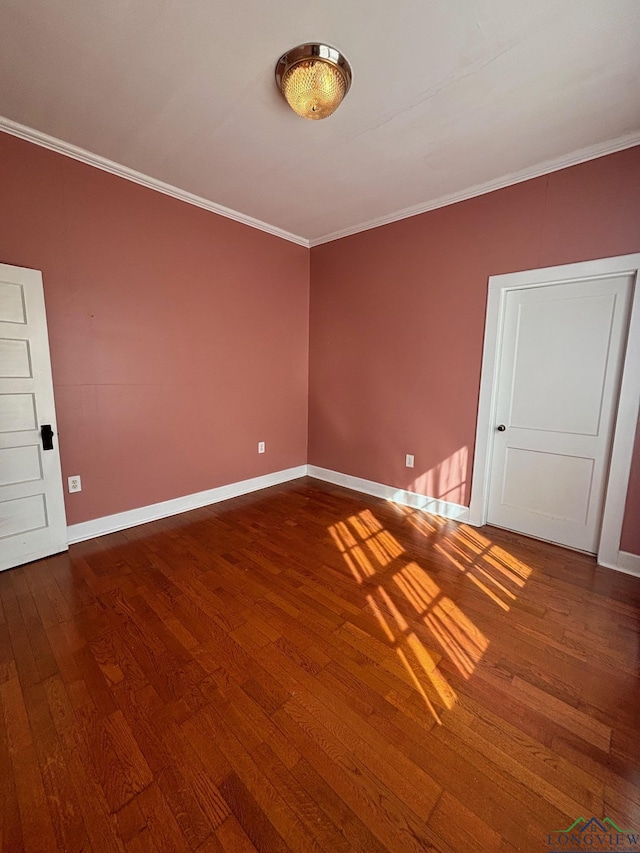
column 47, row 436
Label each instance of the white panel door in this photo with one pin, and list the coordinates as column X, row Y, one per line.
column 32, row 517
column 559, row 372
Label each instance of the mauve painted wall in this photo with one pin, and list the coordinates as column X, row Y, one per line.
column 397, row 321
column 178, row 338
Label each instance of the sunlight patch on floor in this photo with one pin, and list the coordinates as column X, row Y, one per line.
column 399, row 590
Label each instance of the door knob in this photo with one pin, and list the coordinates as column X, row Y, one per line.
column 501, row 428
column 46, row 434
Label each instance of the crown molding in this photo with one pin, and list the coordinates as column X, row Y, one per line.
column 45, row 141
column 65, row 148
column 581, row 156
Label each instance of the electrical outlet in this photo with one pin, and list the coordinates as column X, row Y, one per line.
column 409, row 460
column 262, row 447
column 75, row 483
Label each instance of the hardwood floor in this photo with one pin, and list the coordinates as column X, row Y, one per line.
column 311, row 669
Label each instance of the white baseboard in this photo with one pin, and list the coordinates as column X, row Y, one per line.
column 153, row 512
column 389, row 493
column 628, row 563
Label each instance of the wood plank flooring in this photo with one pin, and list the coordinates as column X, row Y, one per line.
column 306, row 668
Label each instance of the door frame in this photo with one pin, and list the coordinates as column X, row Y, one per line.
column 628, row 401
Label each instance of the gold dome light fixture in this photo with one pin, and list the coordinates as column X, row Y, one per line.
column 314, row 78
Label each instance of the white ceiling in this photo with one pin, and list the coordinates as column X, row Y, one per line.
column 449, row 97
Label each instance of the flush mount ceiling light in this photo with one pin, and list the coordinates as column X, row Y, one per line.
column 314, row 78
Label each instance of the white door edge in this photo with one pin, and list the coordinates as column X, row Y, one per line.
column 39, row 542
column 628, row 403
